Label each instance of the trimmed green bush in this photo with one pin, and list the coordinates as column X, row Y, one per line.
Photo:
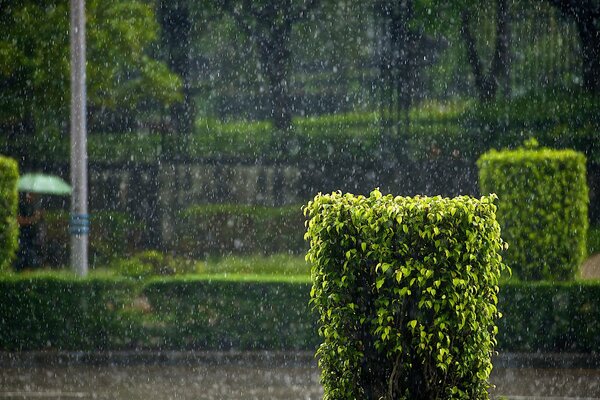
column 153, row 263
column 9, row 229
column 222, row 229
column 542, row 209
column 406, row 291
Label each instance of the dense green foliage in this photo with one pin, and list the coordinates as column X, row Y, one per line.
column 221, row 229
column 34, row 67
column 406, row 291
column 543, row 209
column 59, row 311
column 9, row 230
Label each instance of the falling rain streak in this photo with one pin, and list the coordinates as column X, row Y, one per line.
column 200, row 129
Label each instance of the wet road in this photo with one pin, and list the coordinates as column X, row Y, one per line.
column 161, row 382
column 246, row 380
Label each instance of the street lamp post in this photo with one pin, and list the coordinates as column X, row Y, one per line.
column 79, row 222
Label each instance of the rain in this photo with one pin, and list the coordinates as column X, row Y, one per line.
column 161, row 163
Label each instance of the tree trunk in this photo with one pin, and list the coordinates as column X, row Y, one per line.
column 589, row 34
column 176, row 27
column 586, row 15
column 275, row 56
column 501, row 63
column 487, row 83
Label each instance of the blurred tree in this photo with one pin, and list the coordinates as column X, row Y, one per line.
column 487, row 83
column 176, row 22
column 332, row 58
column 397, row 41
column 450, row 18
column 269, row 25
column 34, row 63
column 586, row 15
column 183, row 22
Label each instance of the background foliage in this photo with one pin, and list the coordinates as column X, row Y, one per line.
column 34, row 67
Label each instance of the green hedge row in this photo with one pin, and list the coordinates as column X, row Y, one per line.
column 9, row 229
column 50, row 311
column 406, row 291
column 542, row 208
column 222, row 229
column 557, row 120
column 60, row 312
column 549, row 317
column 224, row 312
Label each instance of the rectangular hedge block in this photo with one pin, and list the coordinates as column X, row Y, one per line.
column 406, row 291
column 542, row 209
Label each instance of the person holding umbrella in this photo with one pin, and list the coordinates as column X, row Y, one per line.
column 30, row 215
column 29, row 219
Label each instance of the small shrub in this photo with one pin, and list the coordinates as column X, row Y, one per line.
column 153, row 263
column 406, row 291
column 9, row 230
column 276, row 264
column 542, row 208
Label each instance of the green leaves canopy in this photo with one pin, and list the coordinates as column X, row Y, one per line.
column 34, row 59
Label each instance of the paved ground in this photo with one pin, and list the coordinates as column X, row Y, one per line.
column 591, row 267
column 259, row 376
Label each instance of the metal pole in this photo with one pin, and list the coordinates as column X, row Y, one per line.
column 79, row 223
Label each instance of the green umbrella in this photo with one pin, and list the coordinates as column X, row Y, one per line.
column 43, row 183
